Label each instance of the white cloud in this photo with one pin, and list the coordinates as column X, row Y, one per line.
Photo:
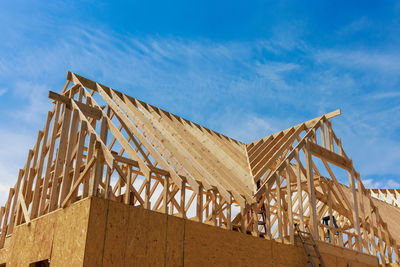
column 222, row 85
column 382, row 183
column 249, row 128
column 384, row 95
column 358, row 25
column 387, row 63
column 393, row 184
column 370, row 183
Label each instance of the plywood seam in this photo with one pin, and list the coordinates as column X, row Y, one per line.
column 105, row 232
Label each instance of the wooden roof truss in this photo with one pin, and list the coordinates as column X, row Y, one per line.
column 100, row 142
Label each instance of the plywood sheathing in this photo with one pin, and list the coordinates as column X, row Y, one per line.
column 145, row 238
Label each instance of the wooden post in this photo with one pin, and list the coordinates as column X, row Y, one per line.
column 43, row 152
column 79, row 156
column 299, row 189
column 229, row 215
column 279, row 206
column 311, row 192
column 183, row 199
column 166, row 194
column 331, row 214
column 60, row 159
column 14, row 205
column 322, row 134
column 254, row 211
column 214, row 207
column 199, row 207
column 107, row 184
column 267, row 213
column 4, row 228
column 97, row 172
column 147, row 204
column 290, row 204
column 49, row 163
column 90, row 151
column 67, row 179
column 128, row 183
column 356, row 217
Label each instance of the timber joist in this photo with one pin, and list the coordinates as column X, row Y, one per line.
column 100, row 142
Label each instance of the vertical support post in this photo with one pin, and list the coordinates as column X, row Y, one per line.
column 103, row 138
column 4, row 229
column 18, row 216
column 199, row 209
column 311, row 192
column 356, row 218
column 321, row 127
column 360, row 193
column 328, row 135
column 79, row 156
column 147, row 204
column 290, row 204
column 128, row 184
column 299, row 188
column 60, row 160
column 46, row 179
column 90, row 152
column 183, row 200
column 165, row 194
column 107, row 184
column 15, row 204
column 229, row 214
column 254, row 211
column 97, row 172
column 214, row 207
column 67, row 179
column 372, row 224
column 243, row 226
column 43, row 152
column 267, row 213
column 332, row 234
column 279, row 206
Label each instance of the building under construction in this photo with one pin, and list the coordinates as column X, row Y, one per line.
column 114, row 181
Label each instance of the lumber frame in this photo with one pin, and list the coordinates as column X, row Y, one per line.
column 168, row 164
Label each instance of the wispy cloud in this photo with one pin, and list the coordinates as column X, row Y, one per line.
column 384, row 95
column 385, row 184
column 244, row 89
column 361, row 24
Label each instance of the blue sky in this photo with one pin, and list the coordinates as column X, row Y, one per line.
column 244, row 69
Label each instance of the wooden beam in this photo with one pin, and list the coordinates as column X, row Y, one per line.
column 92, row 112
column 330, row 156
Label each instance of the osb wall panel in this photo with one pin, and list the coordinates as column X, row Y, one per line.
column 99, row 232
column 345, row 256
column 205, row 245
column 21, row 245
column 70, row 235
column 286, row 255
column 175, row 238
column 116, row 234
column 4, row 252
column 55, row 236
column 123, row 235
column 32, row 243
column 96, row 232
column 147, row 238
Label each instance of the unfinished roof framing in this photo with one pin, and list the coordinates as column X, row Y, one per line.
column 100, row 142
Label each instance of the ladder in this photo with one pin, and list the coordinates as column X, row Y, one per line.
column 302, row 235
